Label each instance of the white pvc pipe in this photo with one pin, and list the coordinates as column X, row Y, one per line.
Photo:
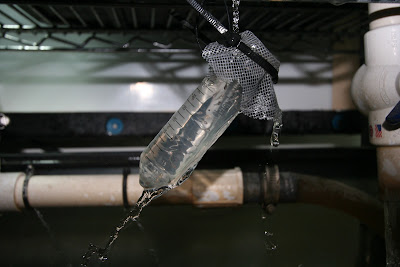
column 7, row 184
column 204, row 188
column 376, row 85
column 74, row 190
column 392, row 20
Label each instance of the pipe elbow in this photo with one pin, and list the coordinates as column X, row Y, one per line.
column 376, row 87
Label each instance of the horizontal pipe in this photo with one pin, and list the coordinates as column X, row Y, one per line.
column 205, row 188
column 336, row 195
column 292, row 187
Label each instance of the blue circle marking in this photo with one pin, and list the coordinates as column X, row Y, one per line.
column 114, row 126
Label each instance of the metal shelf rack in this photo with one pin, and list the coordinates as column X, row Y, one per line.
column 151, row 26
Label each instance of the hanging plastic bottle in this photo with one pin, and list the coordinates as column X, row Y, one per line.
column 190, row 132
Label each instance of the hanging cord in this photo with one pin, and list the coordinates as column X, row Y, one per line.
column 228, row 16
column 202, row 40
column 233, row 39
column 196, row 29
column 235, row 12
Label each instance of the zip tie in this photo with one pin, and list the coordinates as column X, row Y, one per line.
column 233, row 39
column 207, row 16
column 28, row 175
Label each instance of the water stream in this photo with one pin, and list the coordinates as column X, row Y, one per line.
column 146, row 197
column 133, row 215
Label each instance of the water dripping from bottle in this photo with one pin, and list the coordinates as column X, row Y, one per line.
column 133, row 216
column 276, row 130
column 102, row 253
column 269, row 239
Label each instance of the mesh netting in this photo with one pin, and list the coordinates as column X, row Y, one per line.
column 258, row 99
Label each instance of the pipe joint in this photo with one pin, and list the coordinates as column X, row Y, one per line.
column 376, row 85
column 271, row 185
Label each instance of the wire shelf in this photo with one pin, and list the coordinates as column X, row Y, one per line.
column 153, row 26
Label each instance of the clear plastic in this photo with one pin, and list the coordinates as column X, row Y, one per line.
column 190, row 132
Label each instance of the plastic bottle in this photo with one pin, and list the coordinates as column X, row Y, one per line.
column 190, row 132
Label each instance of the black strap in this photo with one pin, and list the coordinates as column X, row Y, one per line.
column 394, row 11
column 234, row 40
column 260, row 61
column 28, row 175
column 125, row 174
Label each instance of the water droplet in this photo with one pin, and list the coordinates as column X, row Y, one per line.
column 276, row 129
column 268, row 233
column 269, row 240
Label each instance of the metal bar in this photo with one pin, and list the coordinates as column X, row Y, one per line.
column 189, row 15
column 162, row 51
column 22, row 13
column 11, row 18
column 350, row 24
column 128, row 43
column 182, row 4
column 327, row 17
column 81, row 20
column 152, row 18
column 245, row 14
column 116, row 19
column 223, row 18
column 271, row 21
column 41, row 16
column 210, row 18
column 91, row 29
column 106, row 41
column 255, row 20
column 134, row 18
column 87, row 40
column 63, row 41
column 170, row 18
column 64, row 20
column 345, row 19
column 202, row 22
column 180, row 33
column 96, row 15
column 17, row 39
column 357, row 26
column 303, row 21
column 42, row 40
column 288, row 21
